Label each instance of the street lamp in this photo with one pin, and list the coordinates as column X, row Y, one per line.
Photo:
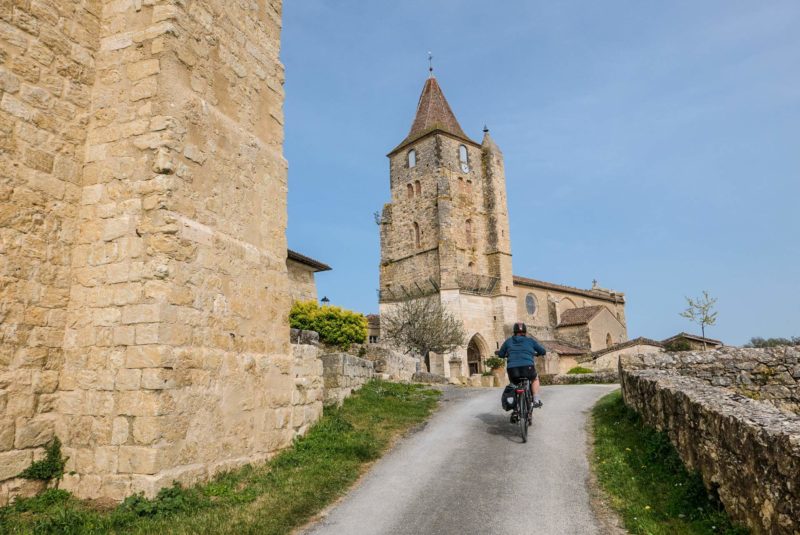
column 325, row 301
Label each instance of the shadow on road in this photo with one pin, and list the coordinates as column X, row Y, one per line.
column 499, row 424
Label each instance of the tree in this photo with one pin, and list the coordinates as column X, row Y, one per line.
column 422, row 326
column 701, row 311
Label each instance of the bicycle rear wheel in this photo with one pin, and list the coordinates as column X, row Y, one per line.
column 523, row 417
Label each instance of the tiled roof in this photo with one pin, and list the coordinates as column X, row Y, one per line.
column 562, row 348
column 308, row 261
column 630, row 343
column 595, row 294
column 433, row 113
column 694, row 337
column 579, row 316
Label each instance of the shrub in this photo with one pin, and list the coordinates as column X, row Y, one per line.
column 51, row 467
column 678, row 345
column 580, row 369
column 495, row 363
column 335, row 325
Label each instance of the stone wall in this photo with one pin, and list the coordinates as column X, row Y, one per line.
column 392, row 364
column 748, row 450
column 344, row 374
column 47, row 69
column 144, row 321
column 771, row 374
column 302, row 285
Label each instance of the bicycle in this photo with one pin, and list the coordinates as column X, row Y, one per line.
column 524, row 406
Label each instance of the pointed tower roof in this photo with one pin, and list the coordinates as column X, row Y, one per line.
column 433, row 113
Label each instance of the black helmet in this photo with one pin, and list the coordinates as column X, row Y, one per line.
column 519, row 328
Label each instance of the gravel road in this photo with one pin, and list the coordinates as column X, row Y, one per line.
column 467, row 472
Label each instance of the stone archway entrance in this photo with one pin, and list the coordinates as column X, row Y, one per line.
column 476, row 353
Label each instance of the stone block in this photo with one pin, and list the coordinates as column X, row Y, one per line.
column 119, row 431
column 142, row 69
column 13, row 462
column 144, row 403
column 128, row 379
column 149, row 429
column 33, row 432
column 159, row 379
column 7, row 432
column 151, row 356
column 139, row 460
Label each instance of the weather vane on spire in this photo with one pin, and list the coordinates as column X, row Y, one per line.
column 430, row 62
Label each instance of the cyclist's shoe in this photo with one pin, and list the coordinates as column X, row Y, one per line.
column 537, row 404
column 514, row 417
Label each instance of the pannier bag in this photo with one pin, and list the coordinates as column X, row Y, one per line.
column 509, row 397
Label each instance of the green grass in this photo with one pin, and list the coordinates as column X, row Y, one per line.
column 579, row 370
column 267, row 499
column 645, row 480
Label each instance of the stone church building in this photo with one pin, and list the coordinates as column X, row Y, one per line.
column 445, row 233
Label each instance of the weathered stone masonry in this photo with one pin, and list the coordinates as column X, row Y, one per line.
column 748, row 450
column 142, row 224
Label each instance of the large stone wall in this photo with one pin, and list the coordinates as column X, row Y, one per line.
column 771, row 374
column 748, row 450
column 344, row 374
column 144, row 318
column 47, row 69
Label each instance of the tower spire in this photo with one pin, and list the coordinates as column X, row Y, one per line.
column 433, row 114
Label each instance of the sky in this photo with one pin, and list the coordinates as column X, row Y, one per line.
column 653, row 146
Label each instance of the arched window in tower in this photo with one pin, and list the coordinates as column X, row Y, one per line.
column 416, row 235
column 468, row 231
column 460, row 185
column 410, row 190
column 609, row 340
column 469, row 187
column 463, row 158
column 412, row 158
column 418, row 188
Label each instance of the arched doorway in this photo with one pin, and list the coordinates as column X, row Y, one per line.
column 476, row 353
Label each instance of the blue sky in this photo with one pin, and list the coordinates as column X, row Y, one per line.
column 652, row 146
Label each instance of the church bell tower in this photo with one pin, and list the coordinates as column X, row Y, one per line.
column 445, row 232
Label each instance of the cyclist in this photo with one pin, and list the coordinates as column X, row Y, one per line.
column 520, row 350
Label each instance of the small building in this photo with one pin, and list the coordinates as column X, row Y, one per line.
column 693, row 342
column 590, row 327
column 608, row 358
column 301, row 268
column 560, row 357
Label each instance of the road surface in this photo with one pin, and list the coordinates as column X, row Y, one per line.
column 467, row 472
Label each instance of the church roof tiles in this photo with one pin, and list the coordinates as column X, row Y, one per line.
column 433, row 114
column 579, row 316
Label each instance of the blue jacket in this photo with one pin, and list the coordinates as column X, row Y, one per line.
column 520, row 350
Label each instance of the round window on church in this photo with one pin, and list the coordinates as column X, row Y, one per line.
column 530, row 304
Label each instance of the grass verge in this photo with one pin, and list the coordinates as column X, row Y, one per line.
column 645, row 479
column 267, row 499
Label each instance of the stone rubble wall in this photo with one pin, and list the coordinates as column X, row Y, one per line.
column 344, row 374
column 748, row 450
column 769, row 374
column 392, row 364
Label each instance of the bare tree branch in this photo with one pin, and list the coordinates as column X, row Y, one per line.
column 422, row 326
